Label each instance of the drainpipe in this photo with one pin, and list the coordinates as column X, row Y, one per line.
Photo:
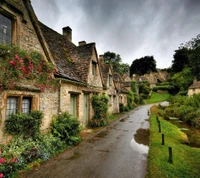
column 60, row 96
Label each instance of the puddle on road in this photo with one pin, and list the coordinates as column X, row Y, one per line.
column 123, row 120
column 140, row 141
column 102, row 134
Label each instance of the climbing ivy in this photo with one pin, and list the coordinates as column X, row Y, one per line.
column 18, row 66
column 100, row 106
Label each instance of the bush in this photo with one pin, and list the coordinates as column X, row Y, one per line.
column 27, row 125
column 126, row 108
column 66, row 128
column 100, row 106
column 121, row 107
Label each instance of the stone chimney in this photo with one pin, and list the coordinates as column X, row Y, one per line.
column 81, row 43
column 67, row 31
column 101, row 59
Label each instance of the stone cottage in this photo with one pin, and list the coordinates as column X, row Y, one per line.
column 18, row 26
column 122, row 92
column 109, row 85
column 194, row 88
column 77, row 71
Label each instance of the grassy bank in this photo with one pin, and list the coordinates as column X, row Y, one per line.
column 157, row 97
column 186, row 160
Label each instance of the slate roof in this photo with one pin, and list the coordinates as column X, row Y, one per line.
column 117, row 77
column 195, row 85
column 83, row 60
column 104, row 68
column 72, row 62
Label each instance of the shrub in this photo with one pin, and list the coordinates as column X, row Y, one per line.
column 126, row 108
column 66, row 128
column 121, row 107
column 27, row 125
column 100, row 106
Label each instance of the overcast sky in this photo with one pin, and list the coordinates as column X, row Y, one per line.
column 131, row 28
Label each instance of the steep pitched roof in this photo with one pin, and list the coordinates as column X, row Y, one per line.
column 84, row 54
column 195, row 85
column 63, row 51
column 117, row 77
column 104, row 71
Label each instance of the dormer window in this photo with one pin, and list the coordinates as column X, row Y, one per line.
column 94, row 68
column 5, row 30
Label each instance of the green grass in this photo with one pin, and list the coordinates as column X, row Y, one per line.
column 186, row 160
column 157, row 97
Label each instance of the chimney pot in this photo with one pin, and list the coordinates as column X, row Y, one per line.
column 67, row 31
column 81, row 43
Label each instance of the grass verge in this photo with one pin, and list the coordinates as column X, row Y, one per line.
column 186, row 160
column 157, row 97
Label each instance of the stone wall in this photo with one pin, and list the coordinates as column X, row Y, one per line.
column 94, row 80
column 49, row 105
column 3, row 101
column 193, row 91
column 23, row 32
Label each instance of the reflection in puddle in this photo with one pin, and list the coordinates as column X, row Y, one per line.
column 140, row 141
column 142, row 149
column 142, row 136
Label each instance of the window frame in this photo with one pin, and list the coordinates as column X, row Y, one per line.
column 3, row 36
column 19, row 104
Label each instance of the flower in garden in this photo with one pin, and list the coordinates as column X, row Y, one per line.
column 1, row 175
column 2, row 160
column 13, row 63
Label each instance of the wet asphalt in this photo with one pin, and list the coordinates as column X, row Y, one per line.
column 117, row 151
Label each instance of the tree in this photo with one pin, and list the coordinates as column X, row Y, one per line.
column 194, row 60
column 181, row 59
column 116, row 61
column 182, row 80
column 143, row 65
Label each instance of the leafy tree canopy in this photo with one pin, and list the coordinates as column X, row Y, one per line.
column 182, row 80
column 181, row 58
column 143, row 65
column 116, row 61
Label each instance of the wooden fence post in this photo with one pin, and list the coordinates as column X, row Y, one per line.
column 170, row 155
column 163, row 139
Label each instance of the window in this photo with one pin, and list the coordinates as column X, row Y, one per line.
column 18, row 105
column 5, row 30
column 94, row 65
column 26, row 105
column 110, row 80
column 12, row 106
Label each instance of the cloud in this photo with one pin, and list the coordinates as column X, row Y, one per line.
column 131, row 28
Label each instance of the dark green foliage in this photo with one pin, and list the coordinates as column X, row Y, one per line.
column 183, row 107
column 182, row 80
column 66, row 128
column 168, row 88
column 19, row 152
column 121, row 107
column 181, row 59
column 130, row 100
column 143, row 65
column 116, row 61
column 27, row 125
column 100, row 106
column 195, row 62
column 144, row 90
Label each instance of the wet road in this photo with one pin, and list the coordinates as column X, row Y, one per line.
column 114, row 152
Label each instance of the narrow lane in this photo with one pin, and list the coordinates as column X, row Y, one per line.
column 112, row 152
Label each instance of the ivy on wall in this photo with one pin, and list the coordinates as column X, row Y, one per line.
column 100, row 106
column 18, row 65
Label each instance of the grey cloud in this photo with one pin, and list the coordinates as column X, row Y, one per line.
column 131, row 28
